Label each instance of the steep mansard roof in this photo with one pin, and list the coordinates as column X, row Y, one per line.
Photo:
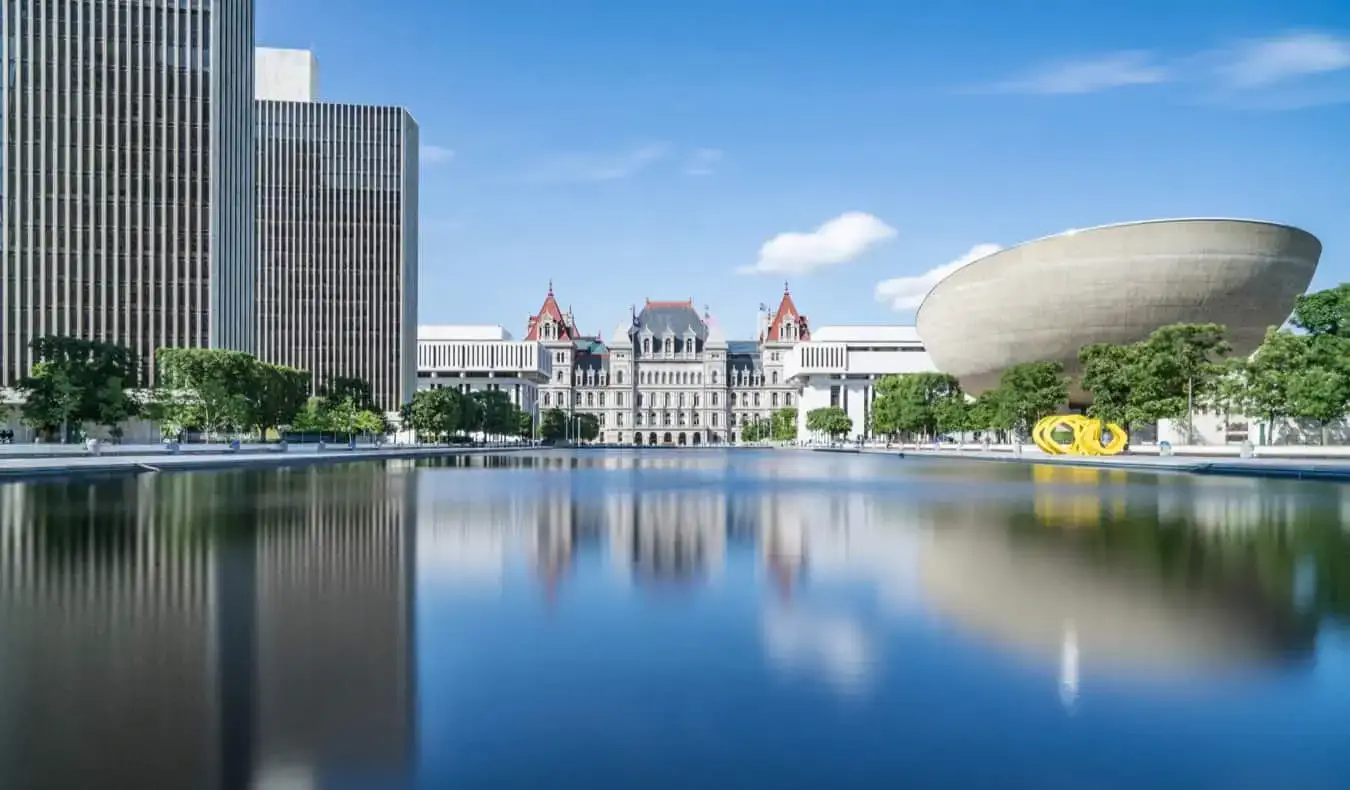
column 678, row 318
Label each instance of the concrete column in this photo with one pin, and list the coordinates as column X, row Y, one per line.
column 857, row 392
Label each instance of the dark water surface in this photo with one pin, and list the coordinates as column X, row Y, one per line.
column 664, row 619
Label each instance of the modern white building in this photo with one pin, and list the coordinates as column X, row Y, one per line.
column 128, row 175
column 337, row 198
column 285, row 75
column 473, row 357
column 840, row 365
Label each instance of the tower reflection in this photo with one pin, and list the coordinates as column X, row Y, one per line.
column 214, row 631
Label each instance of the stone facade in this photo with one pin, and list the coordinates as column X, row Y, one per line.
column 668, row 375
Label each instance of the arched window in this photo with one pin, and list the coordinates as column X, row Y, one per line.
column 546, row 399
column 646, row 345
column 714, row 419
column 590, row 399
column 756, row 398
column 787, row 398
column 618, row 376
column 602, row 399
column 772, row 399
column 773, row 376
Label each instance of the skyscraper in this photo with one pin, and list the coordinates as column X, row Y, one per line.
column 128, row 175
column 337, row 233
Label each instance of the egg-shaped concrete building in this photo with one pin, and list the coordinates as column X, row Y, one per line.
column 1046, row 299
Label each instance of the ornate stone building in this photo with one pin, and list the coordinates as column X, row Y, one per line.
column 668, row 375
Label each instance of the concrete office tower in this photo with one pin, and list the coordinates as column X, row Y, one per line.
column 337, row 234
column 127, row 172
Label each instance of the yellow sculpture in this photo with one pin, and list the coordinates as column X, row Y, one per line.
column 1087, row 436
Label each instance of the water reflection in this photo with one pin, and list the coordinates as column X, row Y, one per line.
column 380, row 625
column 206, row 630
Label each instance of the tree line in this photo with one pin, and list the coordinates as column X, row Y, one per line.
column 449, row 415
column 1301, row 371
column 76, row 383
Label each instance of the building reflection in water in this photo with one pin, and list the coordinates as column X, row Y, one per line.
column 257, row 628
column 207, row 630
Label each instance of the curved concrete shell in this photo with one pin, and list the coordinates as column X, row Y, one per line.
column 1046, row 299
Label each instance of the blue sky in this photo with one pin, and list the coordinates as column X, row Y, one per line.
column 659, row 149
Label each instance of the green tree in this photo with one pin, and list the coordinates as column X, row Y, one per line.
column 344, row 416
column 340, row 388
column 1178, row 366
column 830, row 420
column 523, row 423
column 1324, row 313
column 757, row 429
column 951, row 414
column 919, row 405
column 1320, row 389
column 313, row 417
column 1230, row 395
column 211, row 386
column 498, row 414
column 1110, row 373
column 783, row 425
column 75, row 381
column 370, row 423
column 276, row 396
column 586, row 427
column 1267, row 376
column 1028, row 392
column 52, row 400
column 471, row 415
column 434, row 414
column 983, row 413
column 553, row 427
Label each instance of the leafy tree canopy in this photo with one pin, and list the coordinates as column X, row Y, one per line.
column 830, row 420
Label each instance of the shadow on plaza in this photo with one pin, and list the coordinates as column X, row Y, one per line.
column 218, row 629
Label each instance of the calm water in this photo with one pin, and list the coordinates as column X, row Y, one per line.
column 674, row 619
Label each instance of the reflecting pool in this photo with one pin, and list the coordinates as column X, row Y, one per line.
column 670, row 619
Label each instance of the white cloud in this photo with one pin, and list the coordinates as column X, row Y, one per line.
column 602, row 167
column 906, row 293
column 1115, row 70
column 836, row 646
column 703, row 162
column 1261, row 63
column 436, row 154
column 842, row 239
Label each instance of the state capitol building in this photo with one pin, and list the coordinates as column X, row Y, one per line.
column 667, row 375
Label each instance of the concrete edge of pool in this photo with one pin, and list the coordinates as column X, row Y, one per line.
column 1288, row 469
column 20, row 469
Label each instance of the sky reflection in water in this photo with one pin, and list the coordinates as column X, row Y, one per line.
column 674, row 619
